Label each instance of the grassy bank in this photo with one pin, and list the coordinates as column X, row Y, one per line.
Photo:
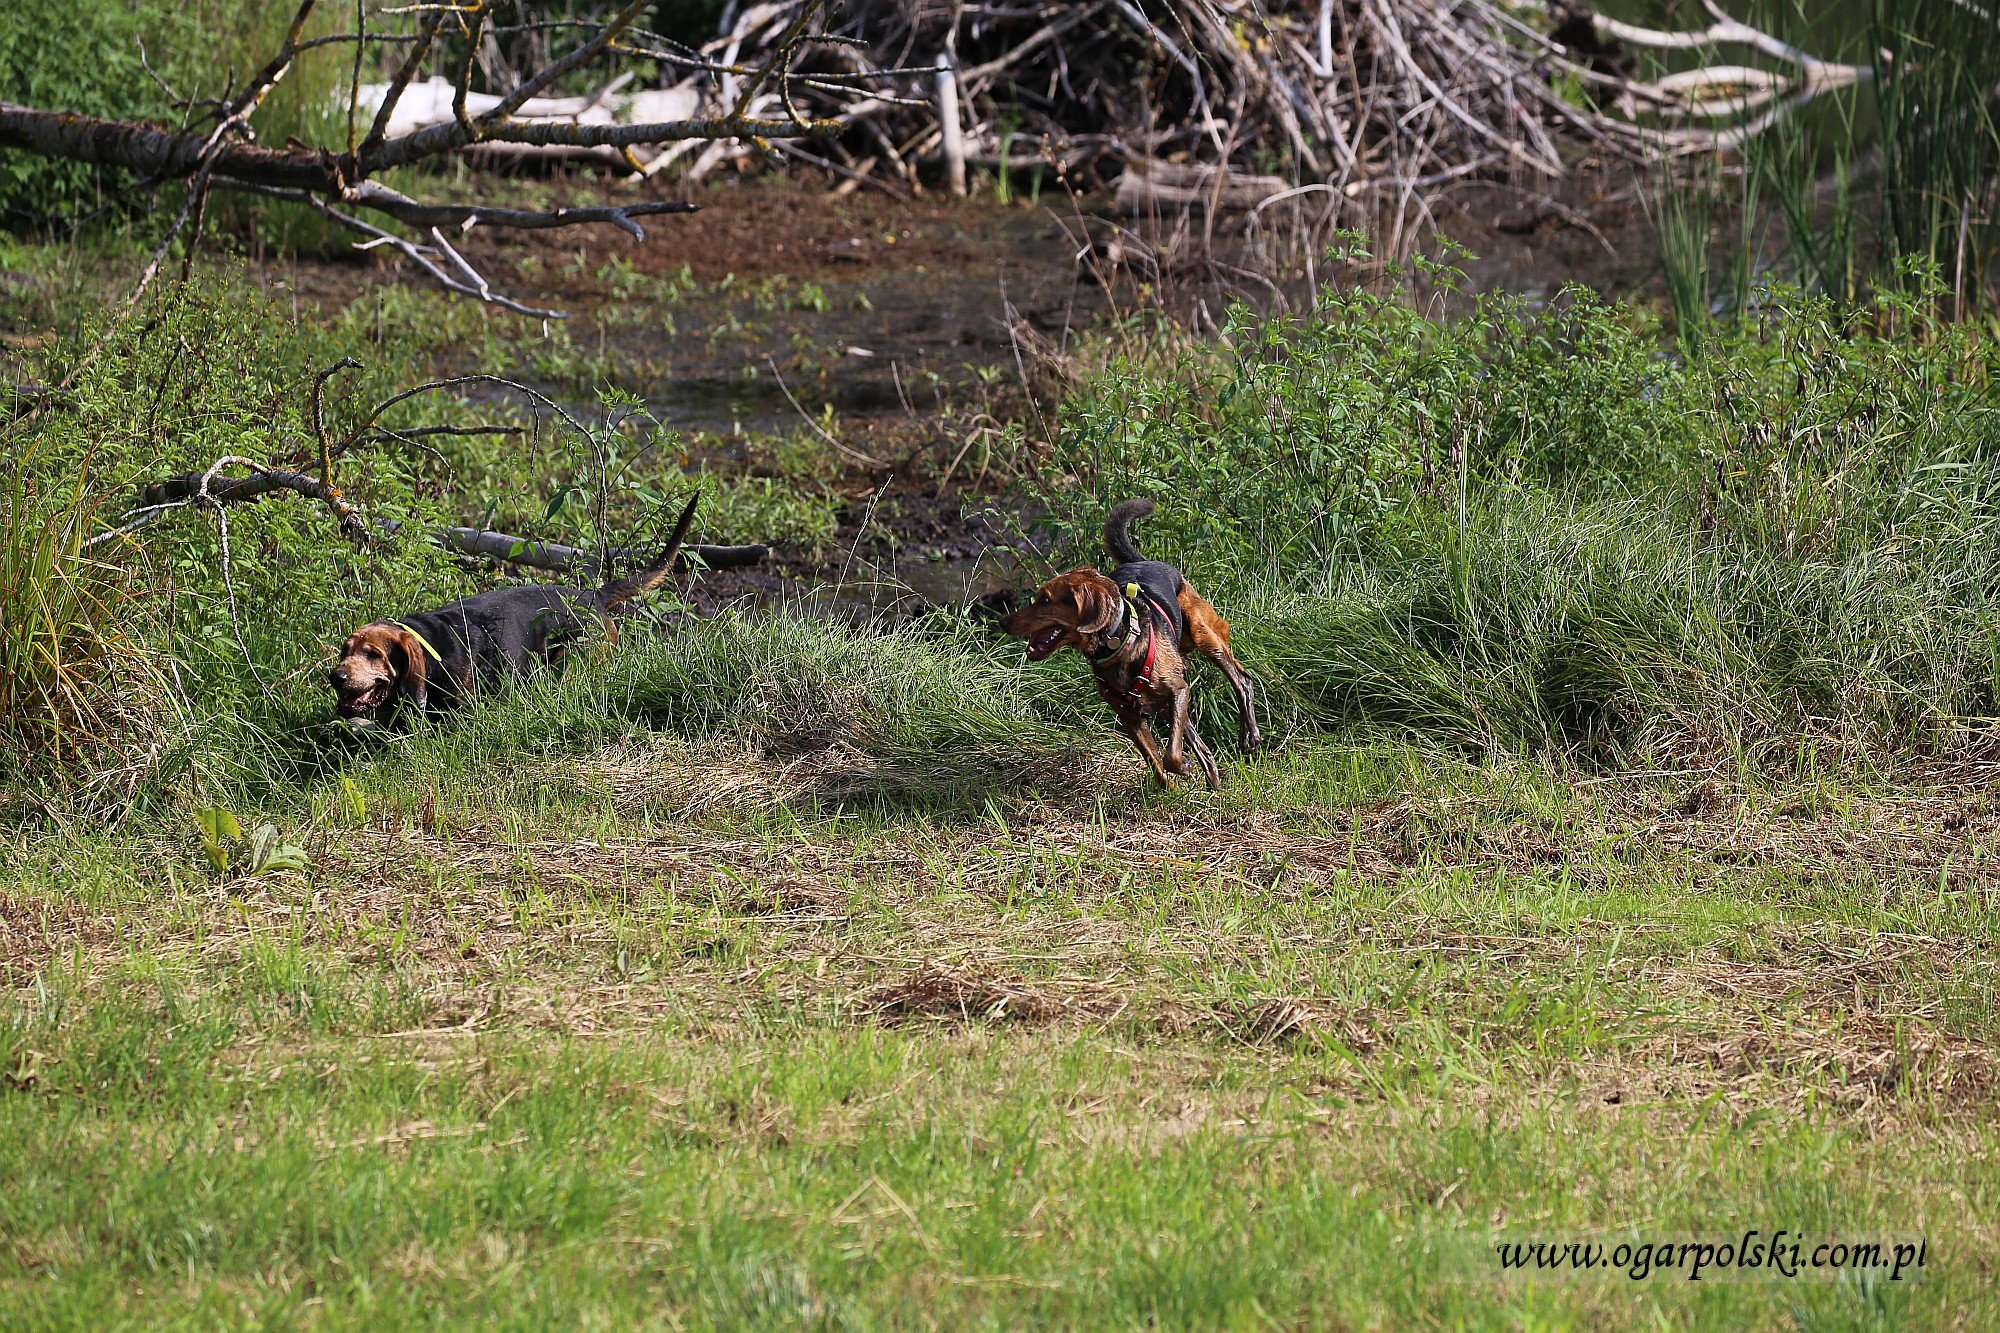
column 1514, row 532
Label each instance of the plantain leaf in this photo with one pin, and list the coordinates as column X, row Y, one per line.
column 218, row 824
column 268, row 854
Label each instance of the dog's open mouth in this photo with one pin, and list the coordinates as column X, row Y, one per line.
column 1044, row 643
column 359, row 702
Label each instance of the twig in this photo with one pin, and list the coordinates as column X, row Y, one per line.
column 818, row 429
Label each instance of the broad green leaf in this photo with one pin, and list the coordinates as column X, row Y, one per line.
column 218, row 824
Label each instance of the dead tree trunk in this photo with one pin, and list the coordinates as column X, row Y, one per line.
column 220, row 151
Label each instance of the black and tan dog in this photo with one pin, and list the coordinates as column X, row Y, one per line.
column 1139, row 627
column 436, row 659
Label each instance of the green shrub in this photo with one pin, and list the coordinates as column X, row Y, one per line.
column 88, row 58
column 61, row 55
column 1328, row 437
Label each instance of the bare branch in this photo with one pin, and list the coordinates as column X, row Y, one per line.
column 381, row 199
column 420, row 255
column 412, row 62
column 319, row 417
column 213, row 488
column 575, row 559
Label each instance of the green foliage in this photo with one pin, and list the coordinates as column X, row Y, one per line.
column 1870, row 183
column 263, row 852
column 219, row 829
column 802, row 519
column 121, row 60
column 1939, row 64
column 1681, row 211
column 81, row 57
column 199, row 372
column 1335, row 435
column 212, row 369
column 1527, row 529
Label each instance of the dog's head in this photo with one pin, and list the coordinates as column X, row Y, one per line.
column 1069, row 611
column 378, row 665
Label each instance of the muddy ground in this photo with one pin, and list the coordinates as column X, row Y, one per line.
column 910, row 318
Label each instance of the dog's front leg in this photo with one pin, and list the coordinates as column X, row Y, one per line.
column 1142, row 736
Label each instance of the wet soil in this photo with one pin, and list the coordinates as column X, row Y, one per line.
column 779, row 301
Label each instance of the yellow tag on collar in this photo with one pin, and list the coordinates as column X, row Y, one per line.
column 434, row 654
column 1132, row 592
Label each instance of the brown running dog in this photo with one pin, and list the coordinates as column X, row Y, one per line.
column 1139, row 626
column 436, row 659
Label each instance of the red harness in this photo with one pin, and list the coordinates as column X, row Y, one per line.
column 1144, row 680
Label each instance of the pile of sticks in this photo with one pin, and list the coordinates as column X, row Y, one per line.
column 1349, row 91
column 1344, row 95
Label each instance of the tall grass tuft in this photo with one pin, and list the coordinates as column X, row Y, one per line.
column 1940, row 136
column 62, row 616
column 1681, row 207
column 1806, row 169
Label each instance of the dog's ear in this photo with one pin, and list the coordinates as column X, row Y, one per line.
column 1096, row 607
column 412, row 663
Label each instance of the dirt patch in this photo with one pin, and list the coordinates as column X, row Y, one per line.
column 1302, row 1018
column 34, row 931
column 1755, row 1062
column 940, row 993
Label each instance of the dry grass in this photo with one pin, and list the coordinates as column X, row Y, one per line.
column 936, row 992
column 1120, row 926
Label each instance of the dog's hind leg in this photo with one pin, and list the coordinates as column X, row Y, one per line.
column 1209, row 634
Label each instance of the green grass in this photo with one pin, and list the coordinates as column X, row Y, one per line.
column 526, row 1043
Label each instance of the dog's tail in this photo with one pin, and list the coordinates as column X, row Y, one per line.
column 1118, row 529
column 653, row 575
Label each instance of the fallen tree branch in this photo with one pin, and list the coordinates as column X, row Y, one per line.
column 460, row 277
column 163, row 497
column 338, row 180
column 559, row 558
column 212, row 488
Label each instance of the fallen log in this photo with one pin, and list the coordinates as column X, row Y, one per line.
column 561, row 559
column 436, row 102
column 1148, row 187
